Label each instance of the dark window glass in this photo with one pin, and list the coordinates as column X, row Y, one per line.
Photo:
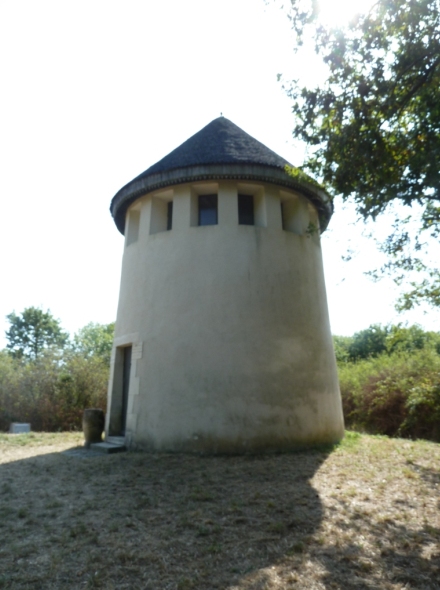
column 208, row 210
column 169, row 215
column 246, row 210
column 283, row 219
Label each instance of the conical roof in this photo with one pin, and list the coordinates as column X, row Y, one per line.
column 220, row 150
column 220, row 142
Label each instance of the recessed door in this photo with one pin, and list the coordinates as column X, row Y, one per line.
column 126, row 369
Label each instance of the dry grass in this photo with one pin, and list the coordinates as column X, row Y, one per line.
column 363, row 515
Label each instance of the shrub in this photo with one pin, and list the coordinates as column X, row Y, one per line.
column 52, row 391
column 47, row 385
column 396, row 394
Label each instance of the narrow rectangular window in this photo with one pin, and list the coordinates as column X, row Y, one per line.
column 283, row 216
column 169, row 215
column 295, row 215
column 132, row 231
column 208, row 210
column 126, row 369
column 246, row 210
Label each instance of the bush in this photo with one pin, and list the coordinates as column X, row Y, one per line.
column 396, row 394
column 51, row 392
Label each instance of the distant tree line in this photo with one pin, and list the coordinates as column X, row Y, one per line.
column 389, row 376
column 390, row 381
column 48, row 378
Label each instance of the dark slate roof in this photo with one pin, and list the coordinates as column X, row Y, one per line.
column 220, row 150
column 220, row 142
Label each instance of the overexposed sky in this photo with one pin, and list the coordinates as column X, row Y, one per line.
column 93, row 93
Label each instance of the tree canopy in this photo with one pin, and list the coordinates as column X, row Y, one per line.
column 32, row 331
column 377, row 340
column 95, row 339
column 374, row 124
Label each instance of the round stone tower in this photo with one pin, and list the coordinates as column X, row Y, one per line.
column 222, row 339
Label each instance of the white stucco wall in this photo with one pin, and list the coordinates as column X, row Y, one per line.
column 232, row 348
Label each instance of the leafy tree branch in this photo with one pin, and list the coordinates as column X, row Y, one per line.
column 374, row 123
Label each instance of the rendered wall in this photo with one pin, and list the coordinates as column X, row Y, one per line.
column 232, row 348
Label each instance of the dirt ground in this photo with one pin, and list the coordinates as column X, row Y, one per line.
column 365, row 515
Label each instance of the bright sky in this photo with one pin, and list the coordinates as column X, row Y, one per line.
column 93, row 93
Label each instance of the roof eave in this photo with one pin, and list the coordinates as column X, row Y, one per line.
column 246, row 172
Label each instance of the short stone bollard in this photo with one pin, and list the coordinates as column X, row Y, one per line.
column 19, row 428
column 93, row 426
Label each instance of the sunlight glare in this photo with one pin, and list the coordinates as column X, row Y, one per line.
column 338, row 13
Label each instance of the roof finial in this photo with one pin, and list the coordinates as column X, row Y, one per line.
column 221, row 114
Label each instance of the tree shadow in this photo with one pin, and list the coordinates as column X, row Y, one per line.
column 159, row 521
column 139, row 520
column 383, row 551
column 428, row 474
column 404, row 558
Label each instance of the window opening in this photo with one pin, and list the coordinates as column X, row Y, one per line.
column 126, row 369
column 246, row 210
column 283, row 216
column 208, row 210
column 169, row 215
column 161, row 218
column 132, row 232
column 295, row 215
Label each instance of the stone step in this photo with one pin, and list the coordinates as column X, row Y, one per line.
column 108, row 447
column 115, row 440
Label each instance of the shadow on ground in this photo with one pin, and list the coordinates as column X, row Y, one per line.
column 153, row 521
column 143, row 521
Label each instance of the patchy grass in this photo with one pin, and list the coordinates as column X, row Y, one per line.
column 37, row 439
column 363, row 515
column 22, row 446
